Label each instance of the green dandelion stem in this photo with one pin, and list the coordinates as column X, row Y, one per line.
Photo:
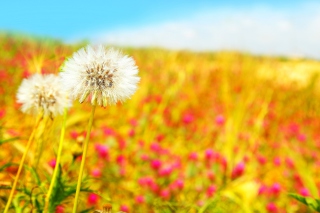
column 39, row 118
column 54, row 177
column 84, row 154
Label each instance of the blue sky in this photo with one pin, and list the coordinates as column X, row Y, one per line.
column 263, row 27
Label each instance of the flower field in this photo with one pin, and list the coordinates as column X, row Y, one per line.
column 204, row 133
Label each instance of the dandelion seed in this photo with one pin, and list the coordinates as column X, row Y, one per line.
column 106, row 76
column 42, row 92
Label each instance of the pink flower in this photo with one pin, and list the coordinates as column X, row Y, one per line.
column 261, row 159
column 193, row 156
column 238, row 170
column 92, row 199
column 224, row 163
column 146, row 181
column 122, row 171
column 142, row 181
column 96, row 172
column 179, row 184
column 74, row 134
column 220, row 120
column 177, row 164
column 263, row 189
column 141, row 143
column 144, row 157
column 156, row 164
column 124, row 208
column 155, row 147
column 59, row 209
column 211, row 190
column 26, row 74
column 211, row 176
column 209, row 154
column 160, row 137
column 131, row 133
column 187, row 118
column 2, row 113
column 294, row 128
column 304, row 192
column 277, row 161
column 154, row 187
column 275, row 189
column 133, row 122
column 108, row 131
column 246, row 159
column 140, row 199
column 302, row 137
column 13, row 132
column 298, row 179
column 166, row 171
column 158, row 98
column 271, row 207
column 121, row 160
column 165, row 194
column 52, row 163
column 103, row 151
column 289, row 163
column 200, row 203
column 122, row 144
column 150, row 181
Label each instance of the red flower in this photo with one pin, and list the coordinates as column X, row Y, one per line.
column 92, row 199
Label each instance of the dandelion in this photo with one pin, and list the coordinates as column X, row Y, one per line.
column 106, row 209
column 104, row 75
column 44, row 96
column 42, row 92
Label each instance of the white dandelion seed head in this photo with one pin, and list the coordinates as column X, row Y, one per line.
column 106, row 76
column 43, row 92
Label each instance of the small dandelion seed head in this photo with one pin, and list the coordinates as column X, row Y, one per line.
column 106, row 76
column 107, row 208
column 43, row 92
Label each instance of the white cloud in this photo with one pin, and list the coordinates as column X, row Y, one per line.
column 259, row 30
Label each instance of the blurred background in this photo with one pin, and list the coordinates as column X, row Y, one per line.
column 264, row 27
column 226, row 117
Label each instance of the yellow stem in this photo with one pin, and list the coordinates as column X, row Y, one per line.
column 40, row 142
column 84, row 154
column 54, row 177
column 22, row 162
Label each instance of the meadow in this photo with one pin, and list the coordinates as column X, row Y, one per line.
column 204, row 133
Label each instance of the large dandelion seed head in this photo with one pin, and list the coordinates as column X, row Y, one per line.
column 43, row 92
column 106, row 76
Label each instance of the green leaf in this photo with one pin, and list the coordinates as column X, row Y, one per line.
column 298, row 198
column 8, row 140
column 34, row 174
column 86, row 210
column 7, row 165
column 310, row 202
column 57, row 191
column 61, row 191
